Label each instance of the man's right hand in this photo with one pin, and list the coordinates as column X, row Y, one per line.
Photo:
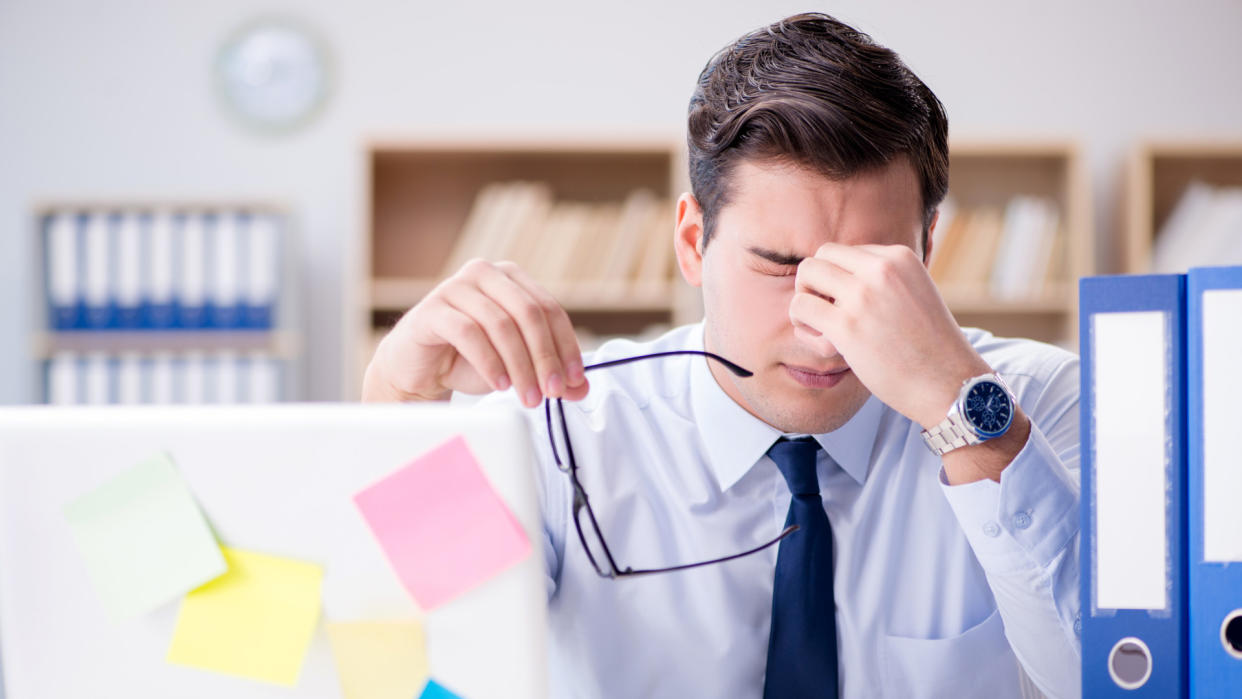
column 486, row 328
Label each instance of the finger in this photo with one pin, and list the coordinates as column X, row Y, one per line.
column 824, row 279
column 814, row 320
column 851, row 258
column 562, row 329
column 504, row 336
column 534, row 326
column 471, row 342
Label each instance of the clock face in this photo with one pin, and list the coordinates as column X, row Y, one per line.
column 272, row 75
column 988, row 408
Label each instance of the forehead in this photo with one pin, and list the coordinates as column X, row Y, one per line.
column 784, row 205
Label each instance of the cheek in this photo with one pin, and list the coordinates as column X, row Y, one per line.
column 756, row 305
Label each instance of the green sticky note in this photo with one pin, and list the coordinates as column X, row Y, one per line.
column 143, row 538
column 256, row 621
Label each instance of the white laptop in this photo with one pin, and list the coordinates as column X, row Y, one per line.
column 275, row 479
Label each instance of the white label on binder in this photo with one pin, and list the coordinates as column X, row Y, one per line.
column 194, row 379
column 1222, row 386
column 225, row 288
column 226, row 377
column 62, row 252
column 62, row 379
column 97, row 392
column 161, row 261
column 193, row 250
column 97, row 249
column 162, row 391
column 263, row 261
column 264, row 382
column 129, row 263
column 1131, row 359
column 129, row 380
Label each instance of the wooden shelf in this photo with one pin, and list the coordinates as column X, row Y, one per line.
column 989, row 175
column 420, row 193
column 1157, row 174
column 401, row 294
column 281, row 344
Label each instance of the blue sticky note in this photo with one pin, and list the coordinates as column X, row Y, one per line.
column 435, row 690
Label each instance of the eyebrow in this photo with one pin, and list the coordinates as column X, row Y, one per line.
column 776, row 257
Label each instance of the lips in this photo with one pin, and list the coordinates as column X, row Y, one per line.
column 817, row 378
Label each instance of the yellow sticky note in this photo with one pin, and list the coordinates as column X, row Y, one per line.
column 380, row 659
column 255, row 621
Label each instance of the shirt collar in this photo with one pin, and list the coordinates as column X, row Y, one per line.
column 735, row 440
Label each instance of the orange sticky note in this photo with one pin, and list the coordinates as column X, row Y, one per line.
column 441, row 524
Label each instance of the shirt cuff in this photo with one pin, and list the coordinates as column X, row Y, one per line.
column 1029, row 517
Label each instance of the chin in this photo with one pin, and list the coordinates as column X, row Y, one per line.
column 808, row 412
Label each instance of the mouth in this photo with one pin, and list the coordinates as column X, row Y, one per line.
column 815, row 378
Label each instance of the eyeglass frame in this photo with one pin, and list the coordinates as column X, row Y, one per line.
column 582, row 502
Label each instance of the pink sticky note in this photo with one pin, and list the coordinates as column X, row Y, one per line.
column 442, row 526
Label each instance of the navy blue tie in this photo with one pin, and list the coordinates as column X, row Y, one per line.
column 802, row 645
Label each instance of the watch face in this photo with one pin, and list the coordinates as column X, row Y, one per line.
column 988, row 409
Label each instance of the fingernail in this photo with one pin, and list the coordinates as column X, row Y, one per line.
column 556, row 387
column 502, row 383
column 532, row 397
column 576, row 373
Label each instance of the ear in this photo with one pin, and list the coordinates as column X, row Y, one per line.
column 931, row 237
column 688, row 237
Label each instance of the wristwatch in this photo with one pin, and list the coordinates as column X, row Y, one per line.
column 983, row 410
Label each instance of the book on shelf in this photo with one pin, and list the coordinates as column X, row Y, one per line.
column 583, row 252
column 1008, row 254
column 1204, row 228
column 655, row 264
column 1025, row 248
column 620, row 259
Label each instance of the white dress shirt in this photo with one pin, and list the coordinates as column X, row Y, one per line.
column 941, row 591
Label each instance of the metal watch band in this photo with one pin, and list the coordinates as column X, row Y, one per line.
column 949, row 434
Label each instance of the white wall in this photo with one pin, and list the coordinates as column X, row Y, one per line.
column 112, row 98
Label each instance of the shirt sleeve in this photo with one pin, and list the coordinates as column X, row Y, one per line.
column 1024, row 533
column 551, row 486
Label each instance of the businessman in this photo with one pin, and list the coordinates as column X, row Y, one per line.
column 856, row 497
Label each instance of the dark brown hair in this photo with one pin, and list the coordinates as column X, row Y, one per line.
column 820, row 94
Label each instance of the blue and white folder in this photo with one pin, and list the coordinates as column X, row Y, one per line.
column 262, row 254
column 1214, row 306
column 61, row 265
column 1132, row 334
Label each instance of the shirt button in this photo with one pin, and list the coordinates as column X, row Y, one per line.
column 1022, row 520
column 991, row 529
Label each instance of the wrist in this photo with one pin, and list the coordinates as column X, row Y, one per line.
column 987, row 460
column 943, row 397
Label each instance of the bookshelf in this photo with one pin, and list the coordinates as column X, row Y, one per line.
column 163, row 302
column 1158, row 173
column 424, row 197
column 421, row 195
column 986, row 179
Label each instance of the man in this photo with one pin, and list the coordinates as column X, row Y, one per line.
column 938, row 569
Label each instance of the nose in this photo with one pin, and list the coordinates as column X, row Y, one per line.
column 814, row 339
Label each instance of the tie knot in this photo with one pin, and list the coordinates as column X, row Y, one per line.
column 796, row 460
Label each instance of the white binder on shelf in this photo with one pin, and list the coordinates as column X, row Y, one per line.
column 224, row 292
column 191, row 283
column 61, row 242
column 62, row 379
column 97, row 280
column 262, row 278
column 160, row 266
column 128, row 268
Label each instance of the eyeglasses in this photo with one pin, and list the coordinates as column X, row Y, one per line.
column 583, row 504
